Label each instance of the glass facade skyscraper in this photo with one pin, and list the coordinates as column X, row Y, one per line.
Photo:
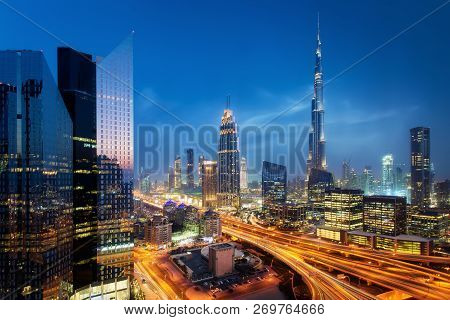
column 387, row 174
column 77, row 84
column 190, row 169
column 274, row 185
column 115, row 106
column 35, row 180
column 228, row 193
column 385, row 215
column 115, row 125
column 420, row 167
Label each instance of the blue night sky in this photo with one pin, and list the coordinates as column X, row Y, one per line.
column 190, row 54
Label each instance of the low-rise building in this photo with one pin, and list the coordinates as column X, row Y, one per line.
column 221, row 259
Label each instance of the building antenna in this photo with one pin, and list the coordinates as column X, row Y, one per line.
column 228, row 101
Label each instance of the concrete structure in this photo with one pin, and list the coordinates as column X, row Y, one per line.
column 158, row 232
column 428, row 223
column 221, row 259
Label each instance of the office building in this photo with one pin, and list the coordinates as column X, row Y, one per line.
column 115, row 230
column 429, row 223
column 209, row 184
column 228, row 164
column 274, row 185
column 316, row 152
column 344, row 209
column 115, row 106
column 420, row 167
column 387, row 175
column 115, row 151
column 367, row 181
column 319, row 182
column 221, row 259
column 77, row 84
column 190, row 169
column 35, row 180
column 385, row 215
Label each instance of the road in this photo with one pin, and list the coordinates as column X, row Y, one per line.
column 373, row 266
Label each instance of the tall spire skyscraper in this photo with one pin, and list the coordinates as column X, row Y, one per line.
column 316, row 153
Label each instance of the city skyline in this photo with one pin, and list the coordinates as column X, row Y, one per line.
column 103, row 198
column 357, row 114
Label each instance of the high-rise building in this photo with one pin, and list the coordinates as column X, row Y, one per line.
column 77, row 84
column 209, row 184
column 228, row 193
column 243, row 174
column 387, row 174
column 115, row 106
column 115, row 230
column 344, row 209
column 274, row 185
column 171, row 179
column 35, row 180
column 345, row 174
column 177, row 173
column 190, row 169
column 385, row 215
column 319, row 182
column 201, row 158
column 367, row 183
column 316, row 152
column 442, row 194
column 115, row 151
column 420, row 167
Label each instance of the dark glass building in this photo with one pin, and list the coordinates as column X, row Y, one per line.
column 228, row 164
column 77, row 84
column 115, row 234
column 420, row 167
column 442, row 194
column 190, row 169
column 35, row 180
column 274, row 184
column 385, row 215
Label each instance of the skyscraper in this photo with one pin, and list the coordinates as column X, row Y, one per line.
column 115, row 127
column 35, row 180
column 209, row 184
column 387, row 174
column 274, row 184
column 201, row 158
column 228, row 162
column 420, row 167
column 177, row 173
column 243, row 174
column 367, row 183
column 316, row 152
column 77, row 84
column 190, row 169
column 115, row 106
